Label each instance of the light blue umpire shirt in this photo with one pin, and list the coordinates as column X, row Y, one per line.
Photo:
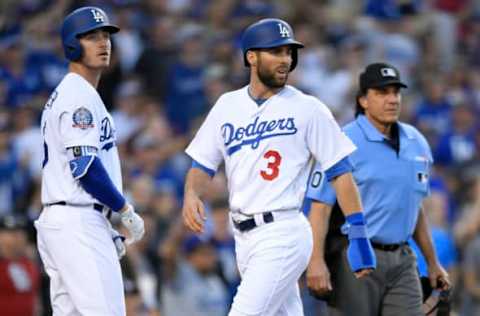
column 392, row 185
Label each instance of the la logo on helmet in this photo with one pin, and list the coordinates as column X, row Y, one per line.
column 98, row 16
column 283, row 30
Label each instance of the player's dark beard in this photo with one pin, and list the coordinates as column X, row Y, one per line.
column 268, row 78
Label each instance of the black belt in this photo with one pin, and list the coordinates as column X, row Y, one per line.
column 250, row 224
column 96, row 207
column 388, row 247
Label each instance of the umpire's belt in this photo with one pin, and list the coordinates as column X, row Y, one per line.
column 97, row 207
column 388, row 247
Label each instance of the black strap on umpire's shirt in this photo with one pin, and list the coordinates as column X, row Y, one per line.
column 394, row 140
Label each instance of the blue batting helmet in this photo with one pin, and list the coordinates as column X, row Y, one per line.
column 269, row 33
column 81, row 21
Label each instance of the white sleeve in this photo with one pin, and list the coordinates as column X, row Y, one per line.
column 205, row 147
column 327, row 143
column 79, row 126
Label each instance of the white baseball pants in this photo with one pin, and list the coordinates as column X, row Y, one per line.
column 271, row 258
column 79, row 256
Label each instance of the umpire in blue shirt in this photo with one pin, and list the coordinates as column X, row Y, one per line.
column 391, row 168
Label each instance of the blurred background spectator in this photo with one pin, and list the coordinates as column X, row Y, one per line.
column 19, row 271
column 171, row 61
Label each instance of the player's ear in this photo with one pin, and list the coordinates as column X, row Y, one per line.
column 252, row 57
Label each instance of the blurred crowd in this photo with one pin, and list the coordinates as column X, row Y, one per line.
column 171, row 60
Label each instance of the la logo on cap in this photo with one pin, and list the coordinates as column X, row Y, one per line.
column 283, row 30
column 98, row 16
column 388, row 72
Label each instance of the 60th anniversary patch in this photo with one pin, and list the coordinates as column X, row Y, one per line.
column 82, row 118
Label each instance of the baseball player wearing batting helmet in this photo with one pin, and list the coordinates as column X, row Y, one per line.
column 268, row 134
column 81, row 179
column 391, row 167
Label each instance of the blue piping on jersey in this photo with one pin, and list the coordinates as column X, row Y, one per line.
column 341, row 167
column 196, row 164
column 259, row 102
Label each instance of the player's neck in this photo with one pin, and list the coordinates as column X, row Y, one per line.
column 91, row 75
column 258, row 90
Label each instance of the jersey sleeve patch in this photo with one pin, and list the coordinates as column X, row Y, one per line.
column 78, row 151
column 82, row 118
column 80, row 165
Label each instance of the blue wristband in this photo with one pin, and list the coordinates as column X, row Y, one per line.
column 356, row 218
column 360, row 254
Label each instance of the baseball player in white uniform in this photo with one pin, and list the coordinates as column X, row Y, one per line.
column 81, row 181
column 268, row 133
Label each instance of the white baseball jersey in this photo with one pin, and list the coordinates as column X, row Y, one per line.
column 267, row 149
column 75, row 116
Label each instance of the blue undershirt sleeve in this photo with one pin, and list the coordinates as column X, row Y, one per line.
column 96, row 182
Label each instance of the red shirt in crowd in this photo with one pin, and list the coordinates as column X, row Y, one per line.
column 19, row 285
column 451, row 6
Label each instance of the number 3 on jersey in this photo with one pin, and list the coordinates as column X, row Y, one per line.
column 274, row 160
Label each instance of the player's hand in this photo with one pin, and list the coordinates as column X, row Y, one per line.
column 118, row 240
column 193, row 213
column 438, row 277
column 318, row 278
column 361, row 273
column 134, row 224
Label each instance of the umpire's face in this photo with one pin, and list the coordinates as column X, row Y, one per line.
column 271, row 65
column 382, row 105
column 96, row 49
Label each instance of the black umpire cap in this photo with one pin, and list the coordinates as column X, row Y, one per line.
column 377, row 75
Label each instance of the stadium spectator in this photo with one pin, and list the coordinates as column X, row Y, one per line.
column 19, row 272
column 192, row 285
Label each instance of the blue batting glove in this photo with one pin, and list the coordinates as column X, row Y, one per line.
column 360, row 252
